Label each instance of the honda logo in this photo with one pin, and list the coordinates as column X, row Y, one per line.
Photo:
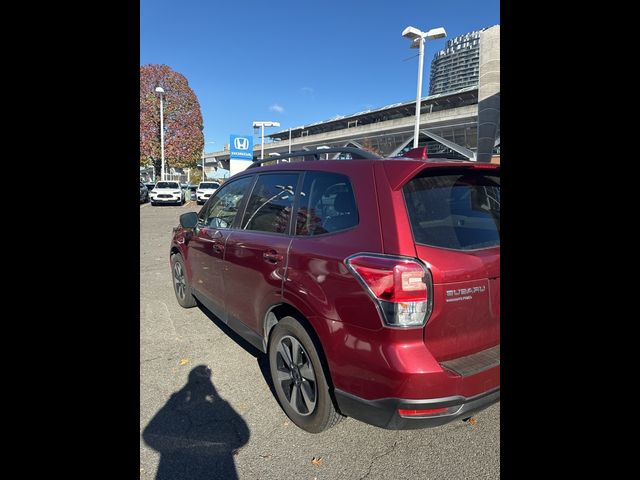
column 241, row 143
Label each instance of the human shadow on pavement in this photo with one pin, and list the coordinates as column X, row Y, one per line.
column 261, row 358
column 196, row 432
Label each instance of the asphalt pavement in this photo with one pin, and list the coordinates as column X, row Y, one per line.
column 207, row 411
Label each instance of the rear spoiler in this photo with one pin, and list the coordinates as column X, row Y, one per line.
column 419, row 152
column 399, row 172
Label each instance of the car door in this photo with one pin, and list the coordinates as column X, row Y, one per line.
column 207, row 246
column 256, row 253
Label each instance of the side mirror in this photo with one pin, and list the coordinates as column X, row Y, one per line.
column 189, row 220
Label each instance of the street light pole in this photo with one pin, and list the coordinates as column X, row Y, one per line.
column 262, row 125
column 418, row 38
column 416, row 130
column 160, row 90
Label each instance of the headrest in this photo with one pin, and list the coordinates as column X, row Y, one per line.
column 344, row 202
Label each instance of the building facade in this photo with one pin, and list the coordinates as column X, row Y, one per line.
column 457, row 66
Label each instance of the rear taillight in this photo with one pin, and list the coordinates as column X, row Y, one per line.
column 402, row 287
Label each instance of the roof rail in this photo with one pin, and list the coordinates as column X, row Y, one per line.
column 356, row 153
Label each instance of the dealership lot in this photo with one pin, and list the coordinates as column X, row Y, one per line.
column 223, row 421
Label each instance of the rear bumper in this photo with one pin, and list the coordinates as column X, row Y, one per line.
column 384, row 412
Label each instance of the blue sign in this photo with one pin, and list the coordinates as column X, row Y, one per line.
column 241, row 147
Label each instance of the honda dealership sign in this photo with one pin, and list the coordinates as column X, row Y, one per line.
column 240, row 153
column 241, row 147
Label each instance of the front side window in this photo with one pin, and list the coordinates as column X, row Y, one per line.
column 459, row 211
column 327, row 204
column 222, row 209
column 269, row 207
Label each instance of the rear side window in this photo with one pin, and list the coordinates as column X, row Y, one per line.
column 459, row 211
column 269, row 207
column 327, row 204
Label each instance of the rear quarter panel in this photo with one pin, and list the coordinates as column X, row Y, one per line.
column 317, row 281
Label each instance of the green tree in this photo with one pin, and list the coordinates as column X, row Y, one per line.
column 183, row 137
column 195, row 177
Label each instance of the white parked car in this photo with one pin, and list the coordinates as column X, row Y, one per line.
column 167, row 192
column 205, row 190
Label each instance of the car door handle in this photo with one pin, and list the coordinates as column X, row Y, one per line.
column 271, row 256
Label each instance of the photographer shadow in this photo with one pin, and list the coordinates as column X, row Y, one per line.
column 196, row 432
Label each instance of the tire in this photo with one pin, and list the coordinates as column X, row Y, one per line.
column 180, row 282
column 153, row 204
column 303, row 391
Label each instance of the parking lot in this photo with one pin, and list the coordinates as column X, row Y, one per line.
column 207, row 410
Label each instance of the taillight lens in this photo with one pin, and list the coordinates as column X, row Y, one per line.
column 422, row 412
column 401, row 287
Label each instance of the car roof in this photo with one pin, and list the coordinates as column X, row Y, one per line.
column 309, row 157
column 399, row 170
column 329, row 164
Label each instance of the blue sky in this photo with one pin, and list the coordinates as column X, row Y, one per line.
column 297, row 62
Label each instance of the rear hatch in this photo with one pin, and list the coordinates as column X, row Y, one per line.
column 455, row 220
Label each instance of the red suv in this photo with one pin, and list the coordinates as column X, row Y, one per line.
column 373, row 285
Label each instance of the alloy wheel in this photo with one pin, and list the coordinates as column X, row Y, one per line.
column 295, row 376
column 179, row 280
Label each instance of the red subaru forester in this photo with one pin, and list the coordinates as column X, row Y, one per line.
column 373, row 285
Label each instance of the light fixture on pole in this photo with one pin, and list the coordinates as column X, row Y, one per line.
column 262, row 125
column 418, row 38
column 160, row 90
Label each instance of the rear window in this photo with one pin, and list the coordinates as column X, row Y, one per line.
column 460, row 211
